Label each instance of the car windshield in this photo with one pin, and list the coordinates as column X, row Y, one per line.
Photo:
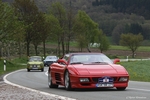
column 51, row 57
column 35, row 59
column 89, row 58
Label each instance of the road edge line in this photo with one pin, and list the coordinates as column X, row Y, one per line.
column 34, row 90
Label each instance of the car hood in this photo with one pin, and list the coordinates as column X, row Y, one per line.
column 85, row 69
column 35, row 62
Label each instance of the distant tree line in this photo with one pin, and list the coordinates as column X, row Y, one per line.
column 139, row 7
column 23, row 24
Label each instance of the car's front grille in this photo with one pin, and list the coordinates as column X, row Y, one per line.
column 95, row 79
column 34, row 66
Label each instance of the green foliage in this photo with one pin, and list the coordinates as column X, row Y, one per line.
column 85, row 28
column 141, row 7
column 131, row 41
column 27, row 12
column 11, row 66
column 59, row 11
column 102, row 39
column 8, row 22
column 138, row 70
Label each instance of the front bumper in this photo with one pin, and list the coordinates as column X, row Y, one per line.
column 35, row 67
column 75, row 83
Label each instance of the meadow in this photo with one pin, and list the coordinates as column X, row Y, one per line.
column 138, row 70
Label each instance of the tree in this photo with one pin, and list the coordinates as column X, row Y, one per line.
column 60, row 13
column 11, row 30
column 116, row 33
column 85, row 27
column 37, row 31
column 70, row 18
column 19, row 36
column 102, row 40
column 52, row 29
column 26, row 11
column 7, row 19
column 131, row 41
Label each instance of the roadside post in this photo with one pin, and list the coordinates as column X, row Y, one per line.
column 4, row 65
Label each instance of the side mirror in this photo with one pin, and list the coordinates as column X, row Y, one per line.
column 62, row 61
column 116, row 61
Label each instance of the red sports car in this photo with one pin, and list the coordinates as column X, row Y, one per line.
column 87, row 70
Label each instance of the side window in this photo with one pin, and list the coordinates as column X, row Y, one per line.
column 66, row 57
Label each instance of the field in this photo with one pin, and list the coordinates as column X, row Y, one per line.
column 138, row 70
column 114, row 51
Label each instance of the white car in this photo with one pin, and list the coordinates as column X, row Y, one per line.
column 49, row 60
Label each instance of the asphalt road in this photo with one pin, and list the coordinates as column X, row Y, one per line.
column 38, row 80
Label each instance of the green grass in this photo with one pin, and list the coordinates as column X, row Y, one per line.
column 112, row 47
column 138, row 70
column 141, row 48
column 12, row 65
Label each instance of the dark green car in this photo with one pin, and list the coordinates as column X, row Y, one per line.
column 35, row 63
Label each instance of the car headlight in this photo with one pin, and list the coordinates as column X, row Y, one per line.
column 84, row 80
column 122, row 79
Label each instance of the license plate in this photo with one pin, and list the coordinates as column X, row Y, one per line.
column 34, row 68
column 105, row 82
column 104, row 85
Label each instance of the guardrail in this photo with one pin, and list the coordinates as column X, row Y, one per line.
column 122, row 60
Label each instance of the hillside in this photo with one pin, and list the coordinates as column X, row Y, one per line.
column 111, row 20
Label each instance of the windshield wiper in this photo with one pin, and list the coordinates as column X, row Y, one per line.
column 76, row 63
column 97, row 62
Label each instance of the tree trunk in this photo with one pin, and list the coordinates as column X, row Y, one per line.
column 28, row 46
column 19, row 49
column 44, row 48
column 36, row 53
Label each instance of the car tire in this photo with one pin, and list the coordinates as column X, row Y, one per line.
column 28, row 70
column 67, row 81
column 121, row 88
column 42, row 69
column 50, row 84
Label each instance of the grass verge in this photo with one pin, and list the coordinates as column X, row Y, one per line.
column 12, row 65
column 138, row 70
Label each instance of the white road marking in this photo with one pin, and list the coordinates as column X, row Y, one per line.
column 140, row 89
column 46, row 73
column 45, row 93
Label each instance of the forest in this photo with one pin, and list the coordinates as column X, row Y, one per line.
column 113, row 17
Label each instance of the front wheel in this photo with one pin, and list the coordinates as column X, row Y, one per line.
column 121, row 88
column 50, row 84
column 28, row 70
column 67, row 81
column 42, row 69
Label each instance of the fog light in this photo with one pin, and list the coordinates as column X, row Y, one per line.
column 84, row 80
column 123, row 79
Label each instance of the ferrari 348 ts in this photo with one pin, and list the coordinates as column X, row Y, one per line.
column 87, row 70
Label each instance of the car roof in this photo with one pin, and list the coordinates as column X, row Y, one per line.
column 85, row 53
